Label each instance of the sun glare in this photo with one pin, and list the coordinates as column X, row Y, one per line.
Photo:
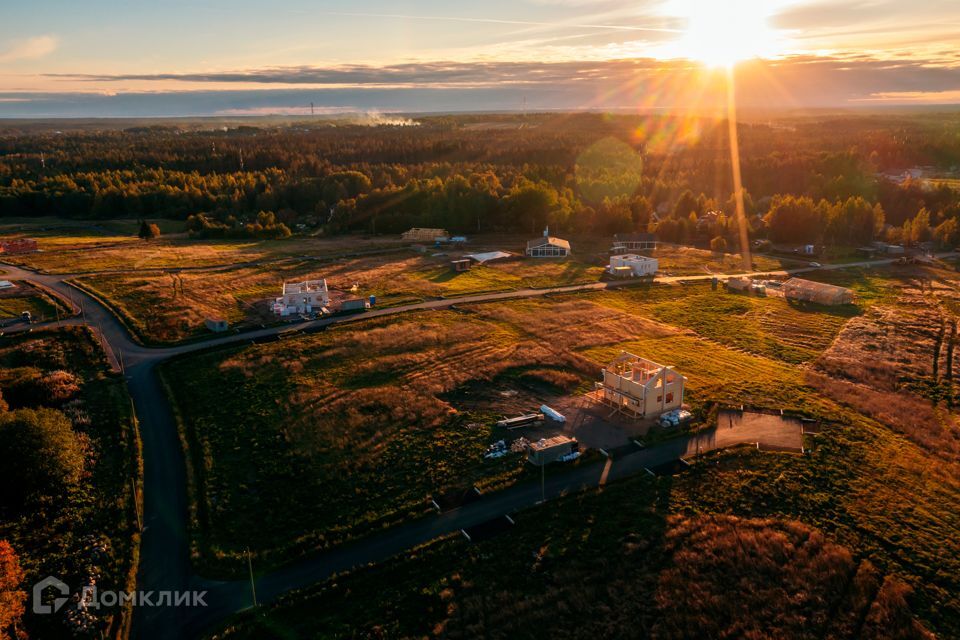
column 720, row 34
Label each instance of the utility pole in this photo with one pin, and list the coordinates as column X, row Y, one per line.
column 543, row 483
column 253, row 587
column 136, row 503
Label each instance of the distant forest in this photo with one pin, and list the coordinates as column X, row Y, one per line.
column 807, row 179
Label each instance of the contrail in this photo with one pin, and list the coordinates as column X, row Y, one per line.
column 525, row 23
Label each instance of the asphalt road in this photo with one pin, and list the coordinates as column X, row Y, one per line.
column 164, row 554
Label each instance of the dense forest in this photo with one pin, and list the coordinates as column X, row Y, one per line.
column 807, row 179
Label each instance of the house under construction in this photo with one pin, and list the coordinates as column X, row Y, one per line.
column 640, row 388
column 819, row 292
column 421, row 234
column 302, row 297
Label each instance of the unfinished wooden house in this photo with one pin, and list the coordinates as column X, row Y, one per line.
column 818, row 292
column 640, row 388
column 302, row 297
column 422, row 234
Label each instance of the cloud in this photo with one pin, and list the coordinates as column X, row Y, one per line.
column 30, row 48
column 795, row 79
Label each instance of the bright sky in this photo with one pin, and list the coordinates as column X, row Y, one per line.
column 861, row 50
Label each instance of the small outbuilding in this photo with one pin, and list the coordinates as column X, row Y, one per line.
column 354, row 304
column 547, row 450
column 818, row 292
column 460, row 265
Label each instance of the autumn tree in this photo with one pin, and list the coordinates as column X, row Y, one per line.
column 947, row 234
column 148, row 230
column 12, row 597
column 794, row 220
column 718, row 244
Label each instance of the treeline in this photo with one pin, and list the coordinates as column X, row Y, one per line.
column 576, row 172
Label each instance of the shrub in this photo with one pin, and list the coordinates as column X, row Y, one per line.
column 40, row 455
column 31, row 388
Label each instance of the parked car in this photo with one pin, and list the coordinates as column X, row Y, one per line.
column 815, row 264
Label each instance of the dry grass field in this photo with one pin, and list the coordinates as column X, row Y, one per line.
column 897, row 362
column 165, row 307
column 370, row 411
column 355, row 400
column 616, row 566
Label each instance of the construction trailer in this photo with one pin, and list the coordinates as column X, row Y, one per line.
column 624, row 242
column 216, row 325
column 818, row 292
column 424, row 234
column 633, row 265
column 639, row 388
column 354, row 304
column 547, row 450
column 302, row 297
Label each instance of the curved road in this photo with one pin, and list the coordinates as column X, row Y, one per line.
column 164, row 554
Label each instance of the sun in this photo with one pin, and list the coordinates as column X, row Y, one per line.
column 720, row 33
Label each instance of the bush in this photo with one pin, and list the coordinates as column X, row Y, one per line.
column 31, row 388
column 40, row 455
column 148, row 231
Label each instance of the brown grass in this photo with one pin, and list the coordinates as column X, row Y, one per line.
column 895, row 364
column 735, row 578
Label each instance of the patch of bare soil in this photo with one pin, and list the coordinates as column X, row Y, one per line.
column 896, row 364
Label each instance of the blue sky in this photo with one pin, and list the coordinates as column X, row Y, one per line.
column 57, row 55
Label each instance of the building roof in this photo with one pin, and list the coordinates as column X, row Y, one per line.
column 626, row 363
column 549, row 443
column 307, row 286
column 548, row 240
column 488, row 256
column 634, row 237
column 634, row 257
column 800, row 284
